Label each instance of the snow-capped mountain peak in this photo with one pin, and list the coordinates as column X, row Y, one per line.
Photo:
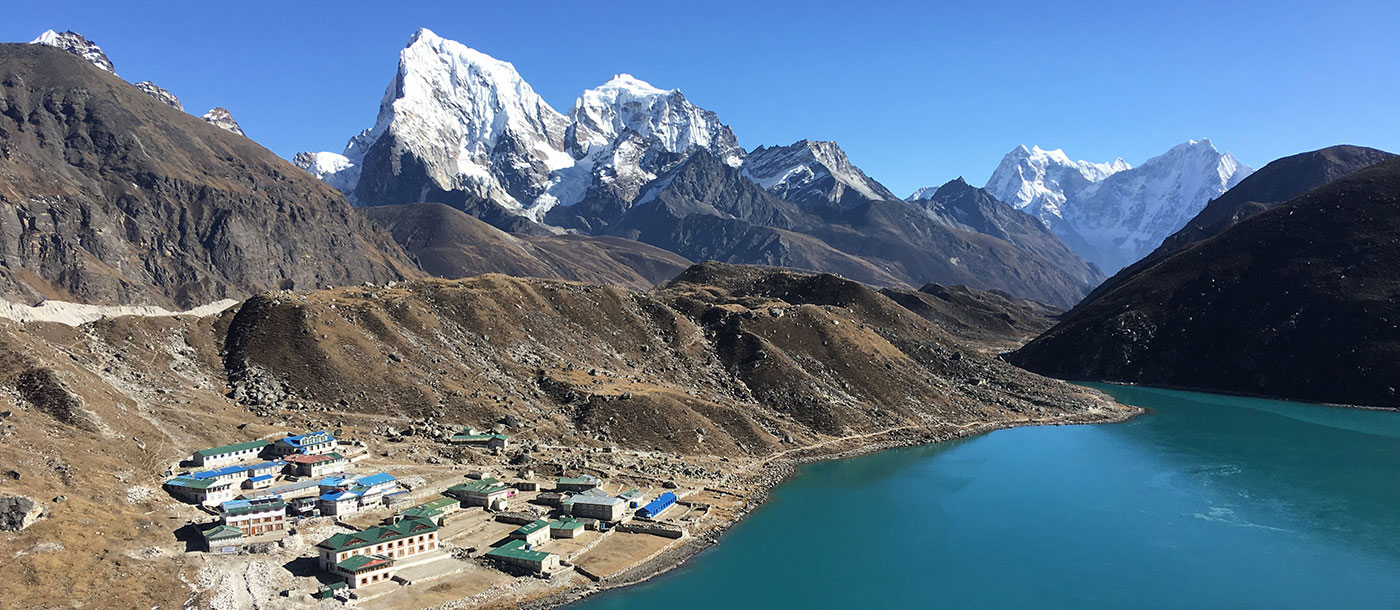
column 76, row 44
column 625, row 103
column 459, row 126
column 1111, row 213
column 449, row 96
column 471, row 122
column 812, row 173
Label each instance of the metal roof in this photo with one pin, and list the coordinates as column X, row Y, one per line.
column 310, row 438
column 659, row 504
column 192, row 483
column 314, row 458
column 336, row 496
column 484, row 486
column 531, row 527
column 222, row 532
column 418, row 512
column 515, row 549
column 237, row 468
column 231, row 448
column 360, row 562
column 375, row 479
column 239, row 507
column 595, row 496
column 378, row 534
column 440, row 503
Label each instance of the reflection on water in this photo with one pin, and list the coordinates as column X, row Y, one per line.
column 1207, row 502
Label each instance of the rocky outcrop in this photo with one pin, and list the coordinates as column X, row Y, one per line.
column 158, row 92
column 221, row 118
column 19, row 512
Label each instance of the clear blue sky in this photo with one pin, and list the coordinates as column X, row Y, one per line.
column 915, row 93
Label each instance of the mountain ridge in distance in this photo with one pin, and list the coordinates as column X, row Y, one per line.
column 1297, row 301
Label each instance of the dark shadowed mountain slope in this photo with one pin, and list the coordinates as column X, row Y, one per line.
column 993, row 319
column 1298, row 301
column 960, row 205
column 1273, row 184
column 110, row 196
column 704, row 209
column 450, row 243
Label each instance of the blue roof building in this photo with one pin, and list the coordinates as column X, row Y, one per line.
column 375, row 479
column 309, row 443
column 655, row 507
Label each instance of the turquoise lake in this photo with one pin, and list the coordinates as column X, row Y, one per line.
column 1205, row 502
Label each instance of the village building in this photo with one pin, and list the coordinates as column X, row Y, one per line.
column 579, row 483
column 418, row 512
column 240, row 472
column 228, row 454
column 207, row 492
column 433, row 510
column 302, row 506
column 311, row 443
column 316, row 465
column 262, row 481
column 533, row 533
column 565, row 528
column 222, row 539
column 343, row 496
column 253, row 517
column 444, row 504
column 364, row 570
column 340, row 502
column 374, row 545
column 489, row 441
column 657, row 506
column 516, row 554
column 480, row 493
column 596, row 504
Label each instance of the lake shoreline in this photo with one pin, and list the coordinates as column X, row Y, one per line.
column 1239, row 394
column 780, row 470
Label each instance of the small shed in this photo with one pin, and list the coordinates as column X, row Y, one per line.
column 657, row 506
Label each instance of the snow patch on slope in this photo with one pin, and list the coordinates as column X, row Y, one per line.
column 811, row 172
column 78, row 314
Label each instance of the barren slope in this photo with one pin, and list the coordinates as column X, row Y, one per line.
column 109, row 196
column 733, row 363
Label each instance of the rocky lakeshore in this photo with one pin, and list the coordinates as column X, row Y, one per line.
column 774, row 473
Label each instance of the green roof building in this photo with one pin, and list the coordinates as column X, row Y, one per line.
column 517, row 553
column 228, row 454
column 565, row 528
column 394, row 541
column 480, row 493
column 490, row 441
column 222, row 539
column 362, row 570
column 534, row 532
